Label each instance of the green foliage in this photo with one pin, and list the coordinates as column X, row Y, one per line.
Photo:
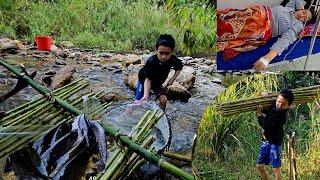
column 294, row 79
column 196, row 21
column 227, row 147
column 116, row 24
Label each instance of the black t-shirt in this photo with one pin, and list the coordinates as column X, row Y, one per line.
column 158, row 71
column 273, row 124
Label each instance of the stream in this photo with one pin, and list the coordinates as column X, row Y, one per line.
column 184, row 116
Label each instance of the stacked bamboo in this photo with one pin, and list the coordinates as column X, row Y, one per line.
column 301, row 96
column 28, row 122
column 123, row 161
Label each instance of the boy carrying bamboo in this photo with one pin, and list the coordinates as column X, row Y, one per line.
column 156, row 70
column 272, row 121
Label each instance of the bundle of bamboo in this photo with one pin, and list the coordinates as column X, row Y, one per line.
column 123, row 161
column 29, row 121
column 301, row 96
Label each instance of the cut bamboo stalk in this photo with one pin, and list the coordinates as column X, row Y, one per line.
column 177, row 156
column 301, row 96
column 56, row 92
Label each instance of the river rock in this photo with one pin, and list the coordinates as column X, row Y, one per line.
column 177, row 92
column 60, row 62
column 145, row 57
column 118, row 58
column 86, row 57
column 187, row 58
column 208, row 62
column 3, row 75
column 106, row 55
column 63, row 77
column 113, row 66
column 132, row 59
column 108, row 98
column 67, row 44
column 6, row 45
column 186, row 77
column 131, row 80
column 61, row 54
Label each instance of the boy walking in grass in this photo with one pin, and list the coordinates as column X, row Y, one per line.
column 272, row 121
column 156, row 70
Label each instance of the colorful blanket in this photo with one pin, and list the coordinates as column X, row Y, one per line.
column 309, row 30
column 242, row 30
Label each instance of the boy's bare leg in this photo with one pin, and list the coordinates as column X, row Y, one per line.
column 163, row 101
column 277, row 173
column 262, row 171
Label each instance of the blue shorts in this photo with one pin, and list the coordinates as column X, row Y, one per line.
column 140, row 90
column 269, row 153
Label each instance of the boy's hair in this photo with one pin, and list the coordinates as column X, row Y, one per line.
column 165, row 40
column 288, row 95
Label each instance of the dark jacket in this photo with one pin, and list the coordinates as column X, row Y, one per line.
column 272, row 124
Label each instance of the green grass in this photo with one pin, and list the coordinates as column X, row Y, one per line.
column 119, row 25
column 227, row 147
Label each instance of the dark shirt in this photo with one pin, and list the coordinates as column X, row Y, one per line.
column 273, row 124
column 158, row 71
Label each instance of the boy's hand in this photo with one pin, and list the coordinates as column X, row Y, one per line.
column 144, row 98
column 259, row 110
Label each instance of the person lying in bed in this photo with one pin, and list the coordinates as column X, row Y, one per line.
column 287, row 24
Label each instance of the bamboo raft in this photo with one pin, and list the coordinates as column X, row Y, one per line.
column 301, row 96
column 41, row 115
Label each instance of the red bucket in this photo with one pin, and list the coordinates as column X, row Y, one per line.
column 43, row 43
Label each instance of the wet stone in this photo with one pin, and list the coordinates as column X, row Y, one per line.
column 60, row 62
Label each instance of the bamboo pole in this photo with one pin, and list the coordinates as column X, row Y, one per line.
column 177, row 156
column 301, row 96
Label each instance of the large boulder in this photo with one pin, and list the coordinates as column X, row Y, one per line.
column 186, row 77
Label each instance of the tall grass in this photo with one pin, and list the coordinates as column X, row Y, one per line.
column 114, row 24
column 227, row 147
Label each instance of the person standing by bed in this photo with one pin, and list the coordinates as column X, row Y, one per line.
column 286, row 23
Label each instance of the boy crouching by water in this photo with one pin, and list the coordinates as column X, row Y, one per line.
column 155, row 72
